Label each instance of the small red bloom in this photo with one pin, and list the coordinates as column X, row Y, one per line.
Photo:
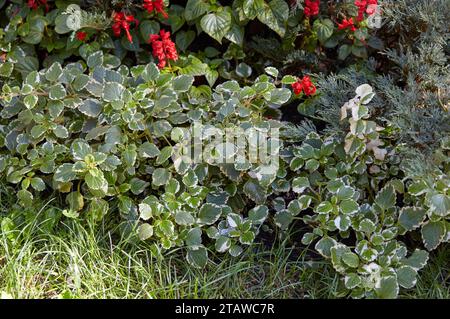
column 122, row 21
column 311, row 8
column 163, row 48
column 347, row 23
column 80, row 35
column 368, row 6
column 35, row 4
column 155, row 5
column 304, row 85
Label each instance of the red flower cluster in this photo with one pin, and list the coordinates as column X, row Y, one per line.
column 163, row 48
column 311, row 8
column 304, row 85
column 80, row 35
column 367, row 6
column 156, row 5
column 35, row 4
column 347, row 23
column 122, row 21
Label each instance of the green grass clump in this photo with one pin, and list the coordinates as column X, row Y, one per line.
column 78, row 261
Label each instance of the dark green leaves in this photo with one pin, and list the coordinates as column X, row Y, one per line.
column 217, row 24
column 209, row 213
column 386, row 198
column 324, row 29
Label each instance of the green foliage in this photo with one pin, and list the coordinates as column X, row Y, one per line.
column 95, row 123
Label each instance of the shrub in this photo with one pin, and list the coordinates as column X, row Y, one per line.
column 110, row 113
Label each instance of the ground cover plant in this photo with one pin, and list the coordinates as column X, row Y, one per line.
column 219, row 133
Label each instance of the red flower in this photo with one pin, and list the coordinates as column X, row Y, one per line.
column 347, row 23
column 311, row 8
column 163, row 48
column 157, row 5
column 35, row 4
column 368, row 6
column 304, row 85
column 122, row 21
column 81, row 35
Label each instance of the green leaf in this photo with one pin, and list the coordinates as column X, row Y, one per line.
column 36, row 32
column 6, row 69
column 300, row 184
column 324, row 29
column 283, row 219
column 57, row 92
column 272, row 71
column 278, row 96
column 145, row 231
column 148, row 27
column 236, row 34
column 349, row 207
column 53, row 72
column 113, row 91
column 275, row 15
column 433, row 233
column 222, row 244
column 351, row 259
column 417, row 260
column 160, row 177
column 209, row 213
column 247, row 238
column 345, row 192
column 388, row 288
column 288, row 79
column 184, row 218
column 164, row 155
column 37, row 131
column 411, row 217
column 95, row 180
column 386, row 198
column 352, row 281
column 255, row 191
column 151, row 72
column 216, row 24
column 138, row 186
column 195, row 9
column 148, row 150
column 75, row 201
column 190, row 179
column 235, row 250
column 25, row 198
column 440, row 205
column 324, row 207
column 194, row 237
column 406, row 276
column 197, row 256
column 91, row 107
column 145, row 211
column 182, row 83
column 344, row 51
column 359, row 51
column 80, row 149
column 324, row 245
column 38, row 184
column 30, row 101
column 258, row 214
column 61, row 132
column 342, row 222
column 184, row 39
column 95, row 59
column 65, row 173
column 418, row 188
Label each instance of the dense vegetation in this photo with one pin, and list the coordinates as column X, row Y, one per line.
column 102, row 102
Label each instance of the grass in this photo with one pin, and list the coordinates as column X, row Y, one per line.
column 78, row 261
